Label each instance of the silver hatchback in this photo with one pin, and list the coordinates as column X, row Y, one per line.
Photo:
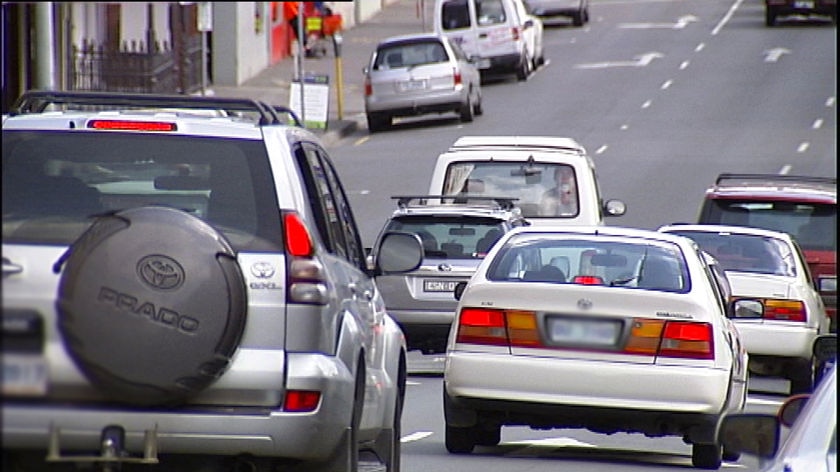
column 418, row 74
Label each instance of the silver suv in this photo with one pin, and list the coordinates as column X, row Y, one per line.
column 456, row 234
column 183, row 280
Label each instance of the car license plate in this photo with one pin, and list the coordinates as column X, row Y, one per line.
column 484, row 63
column 584, row 332
column 439, row 285
column 412, row 85
column 805, row 5
column 24, row 375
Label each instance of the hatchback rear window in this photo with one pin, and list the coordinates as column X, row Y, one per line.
column 55, row 183
column 410, row 54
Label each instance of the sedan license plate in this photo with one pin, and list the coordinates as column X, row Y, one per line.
column 804, row 5
column 584, row 332
column 24, row 375
column 412, row 85
column 439, row 285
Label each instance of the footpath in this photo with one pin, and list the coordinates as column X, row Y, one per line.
column 274, row 84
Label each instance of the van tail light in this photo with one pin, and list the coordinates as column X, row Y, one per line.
column 784, row 310
column 368, row 87
column 647, row 337
column 588, row 280
column 456, row 76
column 687, row 339
column 515, row 33
column 306, row 282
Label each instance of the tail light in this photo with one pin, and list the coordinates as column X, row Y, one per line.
column 588, row 280
column 126, row 125
column 300, row 401
column 368, row 87
column 305, row 274
column 651, row 337
column 784, row 310
column 456, row 76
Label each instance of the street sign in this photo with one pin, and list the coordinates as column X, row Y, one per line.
column 204, row 18
column 316, row 99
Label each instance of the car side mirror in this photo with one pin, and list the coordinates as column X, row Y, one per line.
column 398, row 253
column 365, row 70
column 615, row 208
column 528, row 24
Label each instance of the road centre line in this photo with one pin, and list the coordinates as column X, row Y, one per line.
column 700, row 47
column 647, row 104
column 666, row 84
column 684, row 65
column 803, row 147
column 829, row 102
column 817, row 124
column 601, row 149
column 785, row 169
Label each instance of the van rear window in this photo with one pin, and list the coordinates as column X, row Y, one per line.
column 455, row 14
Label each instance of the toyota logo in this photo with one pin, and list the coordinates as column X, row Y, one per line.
column 584, row 304
column 262, row 270
column 445, row 268
column 160, row 272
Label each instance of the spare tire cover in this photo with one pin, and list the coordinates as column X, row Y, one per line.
column 151, row 304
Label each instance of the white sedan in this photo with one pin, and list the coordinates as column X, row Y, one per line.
column 778, row 310
column 604, row 328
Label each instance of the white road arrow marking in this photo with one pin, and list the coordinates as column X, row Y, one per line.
column 641, row 61
column 681, row 23
column 556, row 442
column 773, row 55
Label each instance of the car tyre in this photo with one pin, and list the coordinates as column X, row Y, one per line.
column 707, row 456
column 378, row 122
column 577, row 18
column 770, row 16
column 478, row 106
column 803, row 378
column 488, row 436
column 460, row 440
column 524, row 69
column 466, row 110
column 151, row 305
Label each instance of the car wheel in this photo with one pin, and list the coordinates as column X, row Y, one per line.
column 769, row 17
column 466, row 110
column 802, row 377
column 524, row 69
column 478, row 107
column 378, row 122
column 393, row 452
column 151, row 305
column 706, row 456
column 459, row 440
column 577, row 18
column 488, row 436
column 730, row 456
column 586, row 15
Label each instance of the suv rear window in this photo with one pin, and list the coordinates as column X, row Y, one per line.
column 410, row 54
column 54, row 181
column 451, row 238
column 813, row 225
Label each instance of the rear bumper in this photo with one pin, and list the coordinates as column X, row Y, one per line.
column 199, row 430
column 776, row 339
column 440, row 102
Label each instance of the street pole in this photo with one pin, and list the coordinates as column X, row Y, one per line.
column 301, row 32
column 339, row 81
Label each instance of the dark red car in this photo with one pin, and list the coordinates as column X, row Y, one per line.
column 803, row 206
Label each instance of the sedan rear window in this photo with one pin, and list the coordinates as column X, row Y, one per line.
column 603, row 261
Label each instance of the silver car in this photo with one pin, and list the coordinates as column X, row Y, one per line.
column 456, row 236
column 577, row 10
column 418, row 74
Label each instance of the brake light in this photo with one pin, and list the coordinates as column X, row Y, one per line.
column 298, row 242
column 687, row 339
column 482, row 326
column 515, row 32
column 301, row 400
column 784, row 310
column 306, row 280
column 132, row 125
column 588, row 280
column 368, row 87
column 456, row 75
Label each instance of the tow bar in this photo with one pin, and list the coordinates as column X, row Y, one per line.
column 112, row 453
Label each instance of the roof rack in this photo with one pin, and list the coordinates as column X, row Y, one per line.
column 504, row 203
column 775, row 178
column 36, row 101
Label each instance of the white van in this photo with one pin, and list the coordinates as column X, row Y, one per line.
column 552, row 179
column 500, row 33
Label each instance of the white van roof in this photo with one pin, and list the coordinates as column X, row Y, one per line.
column 536, row 143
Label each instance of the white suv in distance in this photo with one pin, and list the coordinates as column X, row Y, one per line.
column 456, row 236
column 778, row 310
column 552, row 179
column 183, row 278
column 604, row 328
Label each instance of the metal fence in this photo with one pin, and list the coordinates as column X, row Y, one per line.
column 134, row 68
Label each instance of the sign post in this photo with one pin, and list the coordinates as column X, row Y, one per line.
column 311, row 102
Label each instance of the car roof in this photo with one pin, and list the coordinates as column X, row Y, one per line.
column 518, row 143
column 411, row 37
column 726, row 229
column 427, row 205
column 774, row 187
column 596, row 230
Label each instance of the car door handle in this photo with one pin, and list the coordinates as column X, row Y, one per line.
column 10, row 268
column 482, row 35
